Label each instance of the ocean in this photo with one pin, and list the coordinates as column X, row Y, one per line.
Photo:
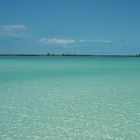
column 69, row 98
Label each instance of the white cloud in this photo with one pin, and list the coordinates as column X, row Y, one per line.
column 105, row 41
column 12, row 27
column 66, row 42
column 84, row 41
column 12, row 30
column 95, row 41
column 56, row 41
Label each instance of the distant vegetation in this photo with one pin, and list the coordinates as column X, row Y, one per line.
column 51, row 54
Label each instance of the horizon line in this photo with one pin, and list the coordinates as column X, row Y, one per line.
column 63, row 54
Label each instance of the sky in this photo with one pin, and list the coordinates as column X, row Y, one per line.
column 70, row 26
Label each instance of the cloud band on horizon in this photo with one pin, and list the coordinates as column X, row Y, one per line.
column 65, row 42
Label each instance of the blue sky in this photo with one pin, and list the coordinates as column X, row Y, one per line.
column 70, row 26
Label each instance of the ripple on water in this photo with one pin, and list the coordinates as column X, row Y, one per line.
column 65, row 107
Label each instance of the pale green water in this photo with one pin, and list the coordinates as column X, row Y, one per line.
column 69, row 98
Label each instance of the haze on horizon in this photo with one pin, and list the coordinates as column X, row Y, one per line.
column 74, row 27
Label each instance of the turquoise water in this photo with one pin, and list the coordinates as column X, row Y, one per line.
column 69, row 98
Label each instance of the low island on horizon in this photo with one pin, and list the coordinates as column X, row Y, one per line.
column 86, row 55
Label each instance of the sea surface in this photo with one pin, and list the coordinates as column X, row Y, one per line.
column 69, row 98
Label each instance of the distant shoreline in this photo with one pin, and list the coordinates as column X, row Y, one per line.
column 65, row 55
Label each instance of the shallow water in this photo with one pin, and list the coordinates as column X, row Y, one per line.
column 69, row 98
